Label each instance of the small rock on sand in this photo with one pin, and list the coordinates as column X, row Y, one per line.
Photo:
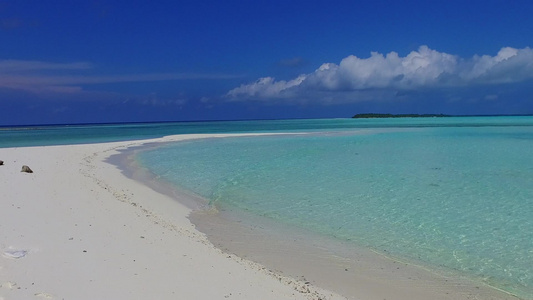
column 26, row 169
column 1, row 162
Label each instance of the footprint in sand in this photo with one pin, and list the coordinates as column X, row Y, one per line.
column 15, row 254
column 13, row 285
column 44, row 295
column 8, row 285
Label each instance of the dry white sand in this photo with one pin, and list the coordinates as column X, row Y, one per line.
column 77, row 228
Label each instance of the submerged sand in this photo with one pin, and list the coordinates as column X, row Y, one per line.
column 78, row 228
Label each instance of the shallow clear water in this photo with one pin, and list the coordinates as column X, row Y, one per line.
column 456, row 196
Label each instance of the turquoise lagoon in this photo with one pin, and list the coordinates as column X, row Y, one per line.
column 447, row 193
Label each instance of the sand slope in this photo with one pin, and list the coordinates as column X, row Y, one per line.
column 78, row 229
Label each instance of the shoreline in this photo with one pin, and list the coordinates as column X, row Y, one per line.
column 308, row 256
column 153, row 226
column 77, row 228
column 353, row 271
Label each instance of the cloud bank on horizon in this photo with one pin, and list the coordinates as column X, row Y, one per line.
column 376, row 78
column 40, row 77
column 360, row 79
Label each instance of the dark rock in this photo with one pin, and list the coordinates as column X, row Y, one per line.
column 1, row 162
column 26, row 169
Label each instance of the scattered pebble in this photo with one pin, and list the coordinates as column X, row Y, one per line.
column 26, row 169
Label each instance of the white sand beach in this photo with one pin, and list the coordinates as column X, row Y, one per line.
column 77, row 228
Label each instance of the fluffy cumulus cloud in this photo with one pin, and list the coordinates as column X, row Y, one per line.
column 422, row 69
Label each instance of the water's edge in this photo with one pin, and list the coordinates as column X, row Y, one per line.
column 331, row 264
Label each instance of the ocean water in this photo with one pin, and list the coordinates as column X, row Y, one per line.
column 451, row 194
column 23, row 136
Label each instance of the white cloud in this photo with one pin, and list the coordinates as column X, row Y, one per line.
column 267, row 87
column 421, row 69
column 509, row 65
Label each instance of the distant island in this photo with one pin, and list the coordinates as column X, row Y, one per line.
column 372, row 115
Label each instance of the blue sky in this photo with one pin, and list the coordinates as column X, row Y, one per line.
column 121, row 61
